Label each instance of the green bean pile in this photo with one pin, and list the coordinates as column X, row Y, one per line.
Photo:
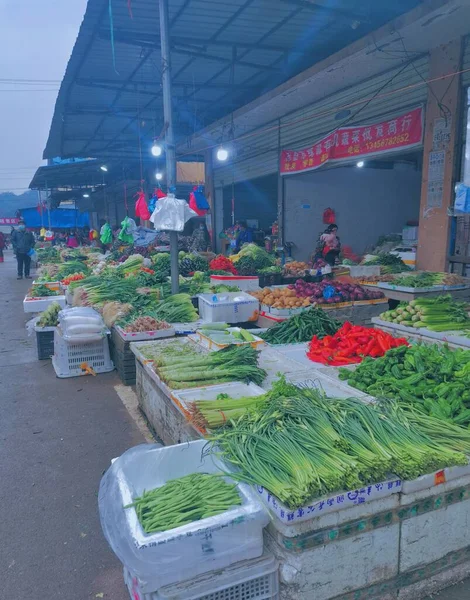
column 302, row 327
column 184, row 500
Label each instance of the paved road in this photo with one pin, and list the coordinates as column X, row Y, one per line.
column 57, row 436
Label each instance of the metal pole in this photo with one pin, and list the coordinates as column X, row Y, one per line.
column 169, row 138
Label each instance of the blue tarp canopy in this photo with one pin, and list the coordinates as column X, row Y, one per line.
column 60, row 218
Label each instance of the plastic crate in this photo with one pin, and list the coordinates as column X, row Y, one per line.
column 231, row 307
column 69, row 357
column 256, row 579
column 45, row 342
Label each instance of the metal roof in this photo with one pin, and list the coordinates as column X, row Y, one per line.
column 224, row 54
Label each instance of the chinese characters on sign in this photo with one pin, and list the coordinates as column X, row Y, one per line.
column 8, row 221
column 352, row 142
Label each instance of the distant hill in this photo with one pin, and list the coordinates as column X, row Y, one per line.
column 10, row 203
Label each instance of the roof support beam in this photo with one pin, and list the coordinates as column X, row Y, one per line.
column 332, row 10
column 228, row 61
column 112, row 84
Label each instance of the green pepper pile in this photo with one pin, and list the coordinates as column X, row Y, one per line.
column 433, row 380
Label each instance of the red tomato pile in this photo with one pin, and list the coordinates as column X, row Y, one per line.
column 351, row 344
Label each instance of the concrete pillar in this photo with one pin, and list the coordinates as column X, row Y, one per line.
column 440, row 142
column 210, row 192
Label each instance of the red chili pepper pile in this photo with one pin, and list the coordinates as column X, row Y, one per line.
column 74, row 277
column 222, row 263
column 351, row 344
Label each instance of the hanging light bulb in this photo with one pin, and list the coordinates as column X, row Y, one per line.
column 104, row 168
column 156, row 149
column 158, row 176
column 86, row 195
column 222, row 154
column 360, row 164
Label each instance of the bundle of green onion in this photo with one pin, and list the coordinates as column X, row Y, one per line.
column 194, row 369
column 303, row 445
column 184, row 500
column 438, row 314
column 211, row 414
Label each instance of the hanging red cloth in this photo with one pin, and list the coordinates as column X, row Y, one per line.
column 141, row 208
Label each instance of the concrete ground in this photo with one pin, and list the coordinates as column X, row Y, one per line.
column 57, row 437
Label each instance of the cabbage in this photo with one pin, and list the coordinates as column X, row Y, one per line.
column 260, row 257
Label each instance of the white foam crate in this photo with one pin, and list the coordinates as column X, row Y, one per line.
column 36, row 305
column 256, row 579
column 234, row 390
column 141, row 336
column 230, row 307
column 211, row 344
column 169, row 557
column 426, row 335
column 330, row 387
column 275, row 364
column 326, row 504
column 69, row 356
column 243, row 282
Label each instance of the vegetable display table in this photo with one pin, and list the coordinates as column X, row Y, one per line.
column 401, row 296
column 452, row 338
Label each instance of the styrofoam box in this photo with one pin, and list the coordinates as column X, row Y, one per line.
column 139, row 336
column 234, row 390
column 35, row 305
column 451, row 337
column 256, row 579
column 231, row 307
column 211, row 344
column 275, row 364
column 244, row 282
column 182, row 553
column 320, row 506
column 331, row 388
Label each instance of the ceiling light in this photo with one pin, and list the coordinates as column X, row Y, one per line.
column 104, row 168
column 158, row 176
column 222, row 154
column 360, row 164
column 86, row 195
column 156, row 150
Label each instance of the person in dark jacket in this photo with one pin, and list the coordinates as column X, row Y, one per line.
column 245, row 235
column 2, row 245
column 22, row 242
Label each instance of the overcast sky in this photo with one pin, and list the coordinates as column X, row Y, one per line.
column 36, row 40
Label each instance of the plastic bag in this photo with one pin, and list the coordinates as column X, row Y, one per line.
column 141, row 208
column 127, row 227
column 81, row 325
column 160, row 559
column 171, row 214
column 33, row 255
column 462, row 199
column 198, row 202
column 106, row 234
column 329, row 216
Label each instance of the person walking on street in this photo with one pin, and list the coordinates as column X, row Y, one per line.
column 2, row 245
column 22, row 242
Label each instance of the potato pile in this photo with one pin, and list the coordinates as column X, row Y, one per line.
column 281, row 298
column 295, row 269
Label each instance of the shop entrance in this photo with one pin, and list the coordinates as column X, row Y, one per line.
column 371, row 198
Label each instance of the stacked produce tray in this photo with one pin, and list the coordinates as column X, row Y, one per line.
column 45, row 342
column 453, row 338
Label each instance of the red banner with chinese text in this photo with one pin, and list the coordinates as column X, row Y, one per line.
column 9, row 221
column 349, row 143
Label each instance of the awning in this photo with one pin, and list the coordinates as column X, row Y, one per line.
column 224, row 54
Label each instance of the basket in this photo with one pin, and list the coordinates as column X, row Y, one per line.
column 45, row 342
column 69, row 357
column 268, row 280
column 256, row 579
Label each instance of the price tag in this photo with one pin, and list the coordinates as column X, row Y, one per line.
column 439, row 477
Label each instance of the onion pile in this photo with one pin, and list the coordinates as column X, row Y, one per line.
column 338, row 292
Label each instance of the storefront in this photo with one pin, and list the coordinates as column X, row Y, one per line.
column 369, row 175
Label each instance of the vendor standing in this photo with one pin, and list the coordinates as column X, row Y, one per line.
column 245, row 235
column 329, row 245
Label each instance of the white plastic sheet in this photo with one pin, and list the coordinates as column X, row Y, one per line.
column 81, row 325
column 182, row 553
column 171, row 214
